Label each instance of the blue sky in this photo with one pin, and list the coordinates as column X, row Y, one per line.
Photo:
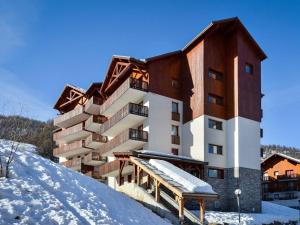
column 45, row 44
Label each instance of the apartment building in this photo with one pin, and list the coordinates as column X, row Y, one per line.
column 202, row 102
column 281, row 179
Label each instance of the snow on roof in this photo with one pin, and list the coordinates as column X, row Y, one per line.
column 282, row 155
column 189, row 182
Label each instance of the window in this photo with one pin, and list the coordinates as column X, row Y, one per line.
column 174, row 131
column 175, row 151
column 266, row 176
column 215, row 173
column 289, row 173
column 215, row 149
column 215, row 99
column 249, row 68
column 276, row 173
column 175, row 107
column 214, row 124
column 215, row 75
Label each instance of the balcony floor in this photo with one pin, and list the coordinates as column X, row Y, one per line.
column 73, row 120
column 74, row 137
column 74, row 152
column 127, row 122
column 125, row 146
column 131, row 95
column 93, row 127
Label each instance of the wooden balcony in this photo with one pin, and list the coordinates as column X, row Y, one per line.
column 125, row 141
column 71, row 118
column 131, row 90
column 74, row 164
column 94, row 159
column 111, row 169
column 175, row 140
column 70, row 150
column 71, row 134
column 94, row 140
column 92, row 106
column 94, row 123
column 129, row 116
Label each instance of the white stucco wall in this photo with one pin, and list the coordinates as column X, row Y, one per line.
column 243, row 143
column 159, row 123
column 240, row 139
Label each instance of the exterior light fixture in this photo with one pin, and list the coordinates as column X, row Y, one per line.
column 238, row 193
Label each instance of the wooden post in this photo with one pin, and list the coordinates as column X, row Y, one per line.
column 148, row 181
column 138, row 176
column 157, row 191
column 181, row 209
column 202, row 209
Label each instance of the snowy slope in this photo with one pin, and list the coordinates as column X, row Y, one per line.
column 42, row 192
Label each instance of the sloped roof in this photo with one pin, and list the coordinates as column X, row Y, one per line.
column 66, row 89
column 219, row 23
column 281, row 155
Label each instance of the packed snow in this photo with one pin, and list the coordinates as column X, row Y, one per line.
column 42, row 192
column 270, row 213
column 188, row 181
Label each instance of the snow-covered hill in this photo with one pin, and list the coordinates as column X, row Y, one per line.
column 42, row 192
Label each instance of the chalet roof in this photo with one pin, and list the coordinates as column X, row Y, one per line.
column 221, row 23
column 281, row 155
column 119, row 59
column 65, row 91
column 92, row 88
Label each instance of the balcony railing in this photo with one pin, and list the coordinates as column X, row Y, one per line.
column 109, row 167
column 71, row 134
column 76, row 162
column 130, row 134
column 130, row 108
column 93, row 156
column 93, row 105
column 68, row 119
column 130, row 83
column 175, row 140
column 281, row 177
column 73, row 148
column 94, row 122
column 95, row 140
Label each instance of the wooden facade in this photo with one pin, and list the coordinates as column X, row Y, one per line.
column 280, row 176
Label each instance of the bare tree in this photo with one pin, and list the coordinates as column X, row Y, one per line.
column 16, row 134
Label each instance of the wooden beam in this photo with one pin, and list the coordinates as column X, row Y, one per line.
column 181, row 209
column 202, row 210
column 157, row 191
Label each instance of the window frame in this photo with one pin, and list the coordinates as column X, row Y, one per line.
column 218, row 147
column 214, row 124
column 249, row 69
column 177, row 107
column 220, row 173
column 215, row 75
column 177, row 130
column 215, row 99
